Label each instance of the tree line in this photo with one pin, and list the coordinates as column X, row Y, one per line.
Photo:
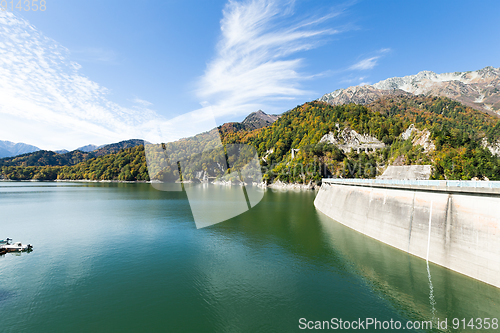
column 456, row 130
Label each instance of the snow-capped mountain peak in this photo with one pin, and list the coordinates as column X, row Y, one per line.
column 479, row 89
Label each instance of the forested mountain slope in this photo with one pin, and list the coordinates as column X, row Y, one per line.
column 309, row 142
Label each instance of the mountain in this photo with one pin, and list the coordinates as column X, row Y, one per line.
column 360, row 95
column 62, row 151
column 116, row 147
column 317, row 140
column 4, row 152
column 259, row 119
column 8, row 149
column 128, row 164
column 253, row 121
column 478, row 89
column 310, row 142
column 50, row 158
column 88, row 148
column 46, row 158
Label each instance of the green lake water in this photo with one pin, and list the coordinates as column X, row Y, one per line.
column 127, row 258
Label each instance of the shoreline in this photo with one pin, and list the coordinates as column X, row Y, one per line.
column 279, row 185
column 75, row 181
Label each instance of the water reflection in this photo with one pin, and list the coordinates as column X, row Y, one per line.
column 406, row 280
column 260, row 271
column 417, row 289
column 4, row 295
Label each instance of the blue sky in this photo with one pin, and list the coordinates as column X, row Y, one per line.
column 103, row 71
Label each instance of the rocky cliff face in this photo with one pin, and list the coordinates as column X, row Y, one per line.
column 360, row 95
column 418, row 137
column 348, row 139
column 494, row 148
column 478, row 89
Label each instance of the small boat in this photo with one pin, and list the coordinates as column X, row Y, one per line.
column 5, row 241
column 16, row 247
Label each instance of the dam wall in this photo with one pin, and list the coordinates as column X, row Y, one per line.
column 457, row 227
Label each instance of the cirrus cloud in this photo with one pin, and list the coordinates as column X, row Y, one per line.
column 46, row 101
column 371, row 62
column 254, row 63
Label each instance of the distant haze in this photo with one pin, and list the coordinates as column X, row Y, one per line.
column 8, row 149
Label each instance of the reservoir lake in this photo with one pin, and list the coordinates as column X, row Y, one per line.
column 125, row 257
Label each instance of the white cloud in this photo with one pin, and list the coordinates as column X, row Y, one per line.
column 354, row 79
column 365, row 64
column 371, row 62
column 142, row 102
column 253, row 65
column 45, row 101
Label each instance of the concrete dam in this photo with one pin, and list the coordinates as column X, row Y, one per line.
column 455, row 224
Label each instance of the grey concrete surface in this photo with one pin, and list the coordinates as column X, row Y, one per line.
column 407, row 172
column 462, row 233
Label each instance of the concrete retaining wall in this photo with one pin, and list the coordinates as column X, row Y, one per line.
column 407, row 172
column 463, row 233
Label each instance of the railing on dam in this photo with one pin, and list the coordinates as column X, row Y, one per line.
column 438, row 185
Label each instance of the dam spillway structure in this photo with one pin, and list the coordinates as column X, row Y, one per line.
column 454, row 224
